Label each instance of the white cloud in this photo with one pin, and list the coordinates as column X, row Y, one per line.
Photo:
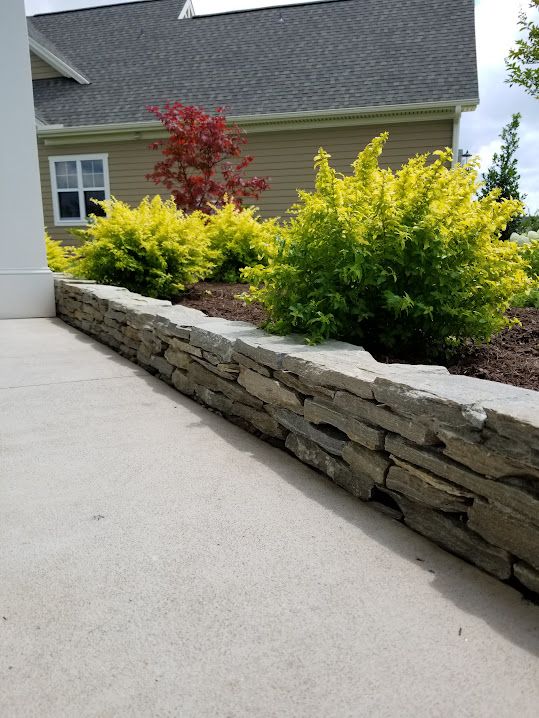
column 496, row 29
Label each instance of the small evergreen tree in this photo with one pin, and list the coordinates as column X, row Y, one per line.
column 503, row 173
column 523, row 60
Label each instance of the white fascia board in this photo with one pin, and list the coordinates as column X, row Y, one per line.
column 55, row 62
column 262, row 123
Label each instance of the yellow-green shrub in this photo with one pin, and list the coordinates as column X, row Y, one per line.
column 60, row 258
column 153, row 249
column 406, row 260
column 240, row 239
column 528, row 247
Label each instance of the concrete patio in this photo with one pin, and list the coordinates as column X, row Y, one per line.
column 158, row 561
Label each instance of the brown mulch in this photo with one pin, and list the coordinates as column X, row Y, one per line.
column 512, row 357
column 217, row 299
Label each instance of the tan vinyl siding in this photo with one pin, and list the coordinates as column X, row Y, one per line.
column 286, row 157
column 41, row 70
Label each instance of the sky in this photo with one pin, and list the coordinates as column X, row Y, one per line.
column 496, row 28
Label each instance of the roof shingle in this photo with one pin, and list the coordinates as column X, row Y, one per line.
column 298, row 58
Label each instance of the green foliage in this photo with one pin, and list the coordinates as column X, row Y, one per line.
column 503, row 173
column 239, row 239
column 523, row 60
column 528, row 248
column 153, row 249
column 405, row 260
column 530, row 254
column 60, row 258
column 528, row 223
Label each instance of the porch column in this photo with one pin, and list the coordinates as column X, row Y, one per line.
column 26, row 284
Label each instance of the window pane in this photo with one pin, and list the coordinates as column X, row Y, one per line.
column 92, row 173
column 66, row 175
column 69, row 205
column 92, row 207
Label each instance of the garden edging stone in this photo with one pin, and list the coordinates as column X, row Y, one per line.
column 458, row 456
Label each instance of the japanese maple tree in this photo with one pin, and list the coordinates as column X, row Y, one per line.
column 202, row 164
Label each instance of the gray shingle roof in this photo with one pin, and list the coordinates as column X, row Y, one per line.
column 297, row 58
column 35, row 34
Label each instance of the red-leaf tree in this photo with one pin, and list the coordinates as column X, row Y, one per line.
column 196, row 167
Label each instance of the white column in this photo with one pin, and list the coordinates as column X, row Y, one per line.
column 26, row 285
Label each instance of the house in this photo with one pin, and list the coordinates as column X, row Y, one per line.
column 332, row 73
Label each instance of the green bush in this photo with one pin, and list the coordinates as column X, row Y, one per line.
column 239, row 239
column 405, row 260
column 153, row 249
column 528, row 248
column 527, row 223
column 60, row 258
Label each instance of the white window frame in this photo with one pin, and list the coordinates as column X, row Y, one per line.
column 72, row 221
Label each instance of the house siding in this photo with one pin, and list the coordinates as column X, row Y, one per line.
column 41, row 70
column 286, row 157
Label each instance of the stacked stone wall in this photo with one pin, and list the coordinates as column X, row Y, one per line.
column 455, row 458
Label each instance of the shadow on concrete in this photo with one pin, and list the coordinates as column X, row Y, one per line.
column 467, row 587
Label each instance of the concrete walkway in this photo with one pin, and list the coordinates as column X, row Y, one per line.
column 158, row 561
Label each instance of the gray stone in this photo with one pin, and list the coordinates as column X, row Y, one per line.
column 384, row 417
column 310, row 453
column 219, row 336
column 162, row 366
column 225, row 371
column 455, row 537
column 250, row 364
column 328, row 438
column 182, row 382
column 268, row 350
column 504, row 528
column 181, row 346
column 177, row 358
column 269, row 390
column 512, row 448
column 514, row 497
column 131, row 332
column 527, row 576
column 261, row 420
column 481, row 459
column 319, row 412
column 365, row 463
column 213, row 399
column 516, row 418
column 293, row 381
column 425, row 488
column 344, row 376
column 200, row 375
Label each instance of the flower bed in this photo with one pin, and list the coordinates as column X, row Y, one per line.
column 512, row 357
column 455, row 458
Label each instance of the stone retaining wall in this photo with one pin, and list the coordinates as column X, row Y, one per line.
column 455, row 458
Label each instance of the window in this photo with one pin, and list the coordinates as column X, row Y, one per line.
column 75, row 182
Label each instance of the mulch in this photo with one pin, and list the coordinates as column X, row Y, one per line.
column 217, row 299
column 512, row 356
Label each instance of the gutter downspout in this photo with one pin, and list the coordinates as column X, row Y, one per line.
column 456, row 134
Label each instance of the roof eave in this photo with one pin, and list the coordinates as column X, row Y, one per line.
column 274, row 121
column 56, row 62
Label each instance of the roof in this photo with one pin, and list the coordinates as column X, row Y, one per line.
column 42, row 45
column 296, row 58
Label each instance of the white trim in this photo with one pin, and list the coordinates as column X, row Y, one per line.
column 262, row 123
column 73, row 222
column 188, row 11
column 51, row 59
column 456, row 134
